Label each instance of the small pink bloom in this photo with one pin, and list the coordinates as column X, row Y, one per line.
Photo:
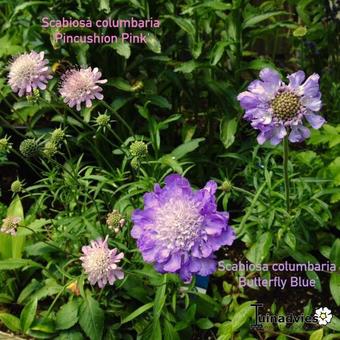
column 10, row 224
column 27, row 72
column 80, row 86
column 100, row 263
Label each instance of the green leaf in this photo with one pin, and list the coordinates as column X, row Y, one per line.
column 334, row 285
column 204, row 323
column 153, row 43
column 43, row 325
column 120, row 84
column 10, row 321
column 170, row 161
column 9, row 46
column 185, row 24
column 317, row 335
column 122, row 48
column 290, row 240
column 11, row 264
column 28, row 314
column 71, row 335
column 91, row 317
column 228, row 128
column 169, row 331
column 137, row 312
column 67, row 315
column 335, row 253
column 217, row 52
column 15, row 209
column 104, row 5
column 185, row 148
column 254, row 20
column 187, row 67
column 260, row 249
column 334, row 324
column 28, row 290
column 300, row 31
column 159, row 299
column 243, row 313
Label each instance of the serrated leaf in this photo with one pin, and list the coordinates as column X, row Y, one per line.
column 91, row 317
column 67, row 316
column 11, row 264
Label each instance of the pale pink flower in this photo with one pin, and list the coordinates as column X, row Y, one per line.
column 100, row 263
column 81, row 86
column 10, row 224
column 27, row 72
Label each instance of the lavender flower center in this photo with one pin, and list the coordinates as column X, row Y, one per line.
column 179, row 222
column 285, row 106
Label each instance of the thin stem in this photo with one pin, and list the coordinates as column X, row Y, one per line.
column 285, row 171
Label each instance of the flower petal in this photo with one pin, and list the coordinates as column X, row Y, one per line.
column 315, row 120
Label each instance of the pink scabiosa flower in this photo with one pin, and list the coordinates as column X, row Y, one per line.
column 10, row 224
column 100, row 263
column 180, row 229
column 277, row 109
column 80, row 86
column 27, row 72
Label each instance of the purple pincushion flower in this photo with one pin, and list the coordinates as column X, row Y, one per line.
column 180, row 229
column 80, row 86
column 100, row 263
column 277, row 109
column 27, row 72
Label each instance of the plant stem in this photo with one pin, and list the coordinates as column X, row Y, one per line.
column 285, row 171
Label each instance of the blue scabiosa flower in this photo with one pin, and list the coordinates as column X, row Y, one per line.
column 277, row 109
column 101, row 263
column 179, row 229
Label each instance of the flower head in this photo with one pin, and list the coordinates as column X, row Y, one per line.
column 57, row 135
column 27, row 72
column 80, row 86
column 29, row 148
column 16, row 186
column 50, row 149
column 115, row 221
column 323, row 315
column 5, row 145
column 103, row 120
column 10, row 224
column 179, row 229
column 100, row 263
column 138, row 149
column 276, row 108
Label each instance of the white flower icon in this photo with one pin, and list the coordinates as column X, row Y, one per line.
column 323, row 315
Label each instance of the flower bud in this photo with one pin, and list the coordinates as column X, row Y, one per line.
column 29, row 148
column 138, row 149
column 16, row 186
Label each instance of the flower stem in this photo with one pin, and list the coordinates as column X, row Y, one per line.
column 285, row 171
